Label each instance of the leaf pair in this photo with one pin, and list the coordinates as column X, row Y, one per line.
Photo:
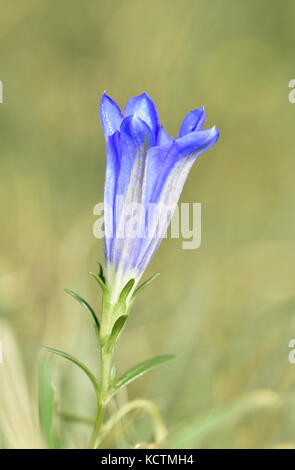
column 123, row 306
column 100, row 279
column 122, row 381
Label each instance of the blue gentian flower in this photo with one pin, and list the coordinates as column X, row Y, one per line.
column 145, row 170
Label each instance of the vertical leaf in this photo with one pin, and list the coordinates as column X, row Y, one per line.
column 100, row 282
column 117, row 328
column 126, row 291
column 100, row 274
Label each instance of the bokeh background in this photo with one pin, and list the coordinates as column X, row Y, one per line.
column 226, row 310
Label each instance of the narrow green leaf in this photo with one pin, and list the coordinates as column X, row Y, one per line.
column 75, row 361
column 100, row 274
column 100, row 282
column 138, row 370
column 46, row 400
column 126, row 291
column 117, row 328
column 75, row 418
column 89, row 309
column 144, row 284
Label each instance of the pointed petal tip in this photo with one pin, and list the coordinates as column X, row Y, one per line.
column 193, row 121
column 103, row 96
column 143, row 95
column 213, row 134
column 198, row 141
column 106, row 98
column 215, row 131
column 110, row 115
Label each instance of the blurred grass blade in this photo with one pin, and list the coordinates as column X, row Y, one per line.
column 117, row 328
column 139, row 370
column 75, row 361
column 144, row 284
column 19, row 417
column 75, row 418
column 193, row 434
column 46, row 400
column 88, row 308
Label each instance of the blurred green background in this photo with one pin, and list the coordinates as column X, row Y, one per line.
column 227, row 310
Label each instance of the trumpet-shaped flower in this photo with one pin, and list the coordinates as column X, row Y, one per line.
column 145, row 173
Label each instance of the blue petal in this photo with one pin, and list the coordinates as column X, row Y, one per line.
column 161, row 160
column 110, row 189
column 194, row 121
column 163, row 137
column 135, row 140
column 197, row 142
column 144, row 108
column 110, row 115
column 167, row 169
column 159, row 163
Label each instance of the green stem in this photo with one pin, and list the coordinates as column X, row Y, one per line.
column 106, row 358
column 103, row 395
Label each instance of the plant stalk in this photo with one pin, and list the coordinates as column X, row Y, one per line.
column 103, row 394
column 106, row 359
